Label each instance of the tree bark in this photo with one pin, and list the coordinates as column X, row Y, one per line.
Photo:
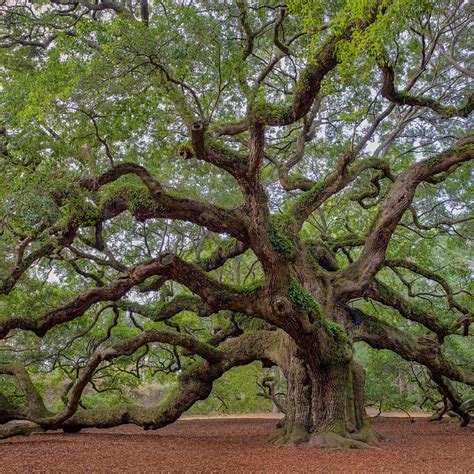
column 338, row 417
column 294, row 428
column 325, row 402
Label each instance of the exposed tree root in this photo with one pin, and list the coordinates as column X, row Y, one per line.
column 330, row 439
column 299, row 434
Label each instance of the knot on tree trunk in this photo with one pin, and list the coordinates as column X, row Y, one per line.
column 282, row 306
column 197, row 126
column 186, row 153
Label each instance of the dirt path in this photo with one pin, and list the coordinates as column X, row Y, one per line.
column 237, row 445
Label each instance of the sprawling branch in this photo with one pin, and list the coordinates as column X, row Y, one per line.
column 413, row 267
column 446, row 111
column 159, row 204
column 126, row 348
column 308, row 86
column 384, row 294
column 166, row 205
column 321, row 191
column 216, row 295
column 398, row 200
column 195, row 383
column 423, row 349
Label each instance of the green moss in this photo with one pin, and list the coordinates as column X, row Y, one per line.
column 228, row 245
column 221, row 148
column 83, row 213
column 185, row 149
column 249, row 288
column 305, row 80
column 139, row 197
column 283, row 236
column 448, row 110
column 336, row 331
column 351, row 240
column 206, row 261
column 339, row 427
column 266, row 111
column 176, row 195
column 438, row 158
column 309, row 197
column 302, row 299
column 263, row 110
column 282, row 244
column 223, row 250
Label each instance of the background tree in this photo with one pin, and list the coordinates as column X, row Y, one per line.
column 192, row 186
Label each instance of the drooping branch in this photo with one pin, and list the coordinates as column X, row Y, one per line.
column 165, row 204
column 467, row 316
column 386, row 295
column 191, row 344
column 456, row 404
column 195, row 383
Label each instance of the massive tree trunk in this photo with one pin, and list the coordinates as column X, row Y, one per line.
column 325, row 401
column 294, row 427
column 338, row 417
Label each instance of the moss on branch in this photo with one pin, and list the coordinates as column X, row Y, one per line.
column 283, row 236
column 302, row 299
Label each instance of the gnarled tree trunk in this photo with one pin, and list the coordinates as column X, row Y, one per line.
column 325, row 401
column 338, row 417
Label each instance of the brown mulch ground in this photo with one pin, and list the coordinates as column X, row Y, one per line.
column 237, row 445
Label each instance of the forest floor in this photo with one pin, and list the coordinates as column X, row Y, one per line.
column 238, row 444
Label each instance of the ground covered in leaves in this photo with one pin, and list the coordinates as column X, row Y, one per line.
column 237, row 445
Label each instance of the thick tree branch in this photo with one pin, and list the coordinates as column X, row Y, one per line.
column 166, row 310
column 423, row 349
column 413, row 267
column 195, row 383
column 398, row 200
column 401, row 98
column 384, row 294
column 216, row 295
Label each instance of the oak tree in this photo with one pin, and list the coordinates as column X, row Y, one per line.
column 190, row 186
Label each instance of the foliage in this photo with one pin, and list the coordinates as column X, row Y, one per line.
column 300, row 124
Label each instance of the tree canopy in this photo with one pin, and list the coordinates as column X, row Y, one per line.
column 190, row 186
